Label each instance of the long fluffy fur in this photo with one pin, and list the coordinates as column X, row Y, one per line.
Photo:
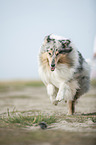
column 71, row 77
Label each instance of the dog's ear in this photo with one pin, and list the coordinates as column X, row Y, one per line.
column 47, row 38
column 66, row 43
column 65, row 46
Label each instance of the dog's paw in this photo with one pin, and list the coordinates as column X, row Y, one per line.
column 55, row 102
column 69, row 113
column 58, row 98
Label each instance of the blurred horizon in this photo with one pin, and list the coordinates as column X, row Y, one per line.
column 25, row 23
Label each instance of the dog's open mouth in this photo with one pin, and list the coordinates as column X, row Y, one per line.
column 52, row 68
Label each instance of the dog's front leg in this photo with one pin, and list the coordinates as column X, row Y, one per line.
column 60, row 94
column 64, row 92
column 52, row 92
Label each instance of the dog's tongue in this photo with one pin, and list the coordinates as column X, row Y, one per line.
column 52, row 68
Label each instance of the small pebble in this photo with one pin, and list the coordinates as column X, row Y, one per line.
column 43, row 125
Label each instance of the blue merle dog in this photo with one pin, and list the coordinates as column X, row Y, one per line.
column 63, row 70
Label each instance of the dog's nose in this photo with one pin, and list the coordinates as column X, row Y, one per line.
column 52, row 65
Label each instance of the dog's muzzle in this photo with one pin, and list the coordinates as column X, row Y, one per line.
column 52, row 67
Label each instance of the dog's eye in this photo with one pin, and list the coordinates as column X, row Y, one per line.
column 49, row 53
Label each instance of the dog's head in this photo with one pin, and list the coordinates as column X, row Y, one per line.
column 57, row 49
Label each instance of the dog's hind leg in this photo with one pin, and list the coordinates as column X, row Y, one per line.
column 71, row 107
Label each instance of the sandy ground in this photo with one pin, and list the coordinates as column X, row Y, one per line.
column 35, row 98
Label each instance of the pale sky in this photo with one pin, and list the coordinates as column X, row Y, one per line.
column 24, row 24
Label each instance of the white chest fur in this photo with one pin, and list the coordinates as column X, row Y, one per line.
column 61, row 74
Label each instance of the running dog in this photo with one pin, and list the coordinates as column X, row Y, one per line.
column 63, row 70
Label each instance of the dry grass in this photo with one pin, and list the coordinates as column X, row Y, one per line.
column 25, row 119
